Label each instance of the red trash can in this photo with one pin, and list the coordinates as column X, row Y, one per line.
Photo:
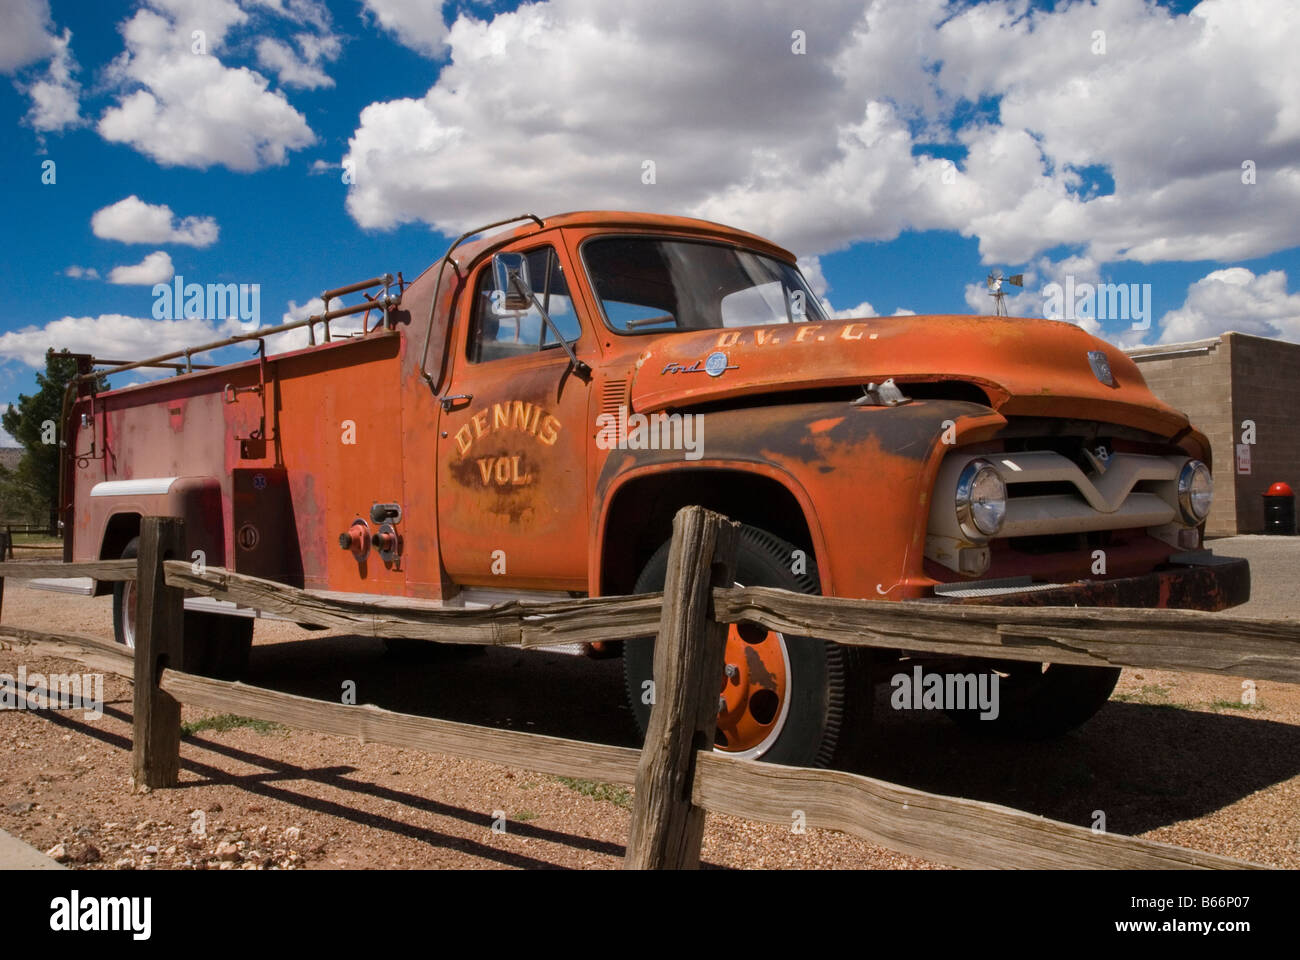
column 1279, row 510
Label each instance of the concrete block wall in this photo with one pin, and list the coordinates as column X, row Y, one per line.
column 1265, row 389
column 1219, row 383
column 1196, row 378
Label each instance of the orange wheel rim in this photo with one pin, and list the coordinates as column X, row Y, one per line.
column 754, row 698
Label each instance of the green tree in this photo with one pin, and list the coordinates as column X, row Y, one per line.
column 30, row 491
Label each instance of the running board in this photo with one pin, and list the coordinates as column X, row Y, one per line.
column 79, row 586
column 85, row 587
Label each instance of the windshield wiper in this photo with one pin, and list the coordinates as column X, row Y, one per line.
column 650, row 321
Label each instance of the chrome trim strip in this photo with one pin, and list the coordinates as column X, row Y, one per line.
column 145, row 486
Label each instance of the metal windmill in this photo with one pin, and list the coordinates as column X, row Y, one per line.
column 995, row 281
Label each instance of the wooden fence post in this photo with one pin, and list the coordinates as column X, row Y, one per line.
column 159, row 614
column 667, row 830
column 6, row 546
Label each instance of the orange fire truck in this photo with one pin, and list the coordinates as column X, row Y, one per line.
column 525, row 418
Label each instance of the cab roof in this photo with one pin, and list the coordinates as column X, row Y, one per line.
column 471, row 250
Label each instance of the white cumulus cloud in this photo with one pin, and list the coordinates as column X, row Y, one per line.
column 29, row 37
column 131, row 220
column 566, row 102
column 26, row 37
column 303, row 68
column 154, row 268
column 1235, row 299
column 417, row 24
column 56, row 97
column 109, row 335
column 186, row 108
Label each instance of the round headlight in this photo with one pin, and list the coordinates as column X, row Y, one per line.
column 1195, row 491
column 981, row 500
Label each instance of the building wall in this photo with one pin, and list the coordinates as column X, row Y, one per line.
column 1219, row 383
column 1265, row 389
column 1196, row 378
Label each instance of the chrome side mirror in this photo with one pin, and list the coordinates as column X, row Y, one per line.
column 511, row 287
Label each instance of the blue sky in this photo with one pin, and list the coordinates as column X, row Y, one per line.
column 908, row 149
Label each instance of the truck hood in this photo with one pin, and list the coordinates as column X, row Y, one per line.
column 1027, row 367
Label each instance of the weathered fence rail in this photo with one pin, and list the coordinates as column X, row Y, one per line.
column 41, row 569
column 1186, row 640
column 515, row 623
column 677, row 776
column 44, row 529
column 963, row 833
column 1183, row 640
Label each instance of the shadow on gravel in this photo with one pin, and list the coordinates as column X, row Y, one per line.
column 536, row 692
column 1144, row 766
column 264, row 784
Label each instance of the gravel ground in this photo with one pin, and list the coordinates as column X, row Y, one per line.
column 1174, row 757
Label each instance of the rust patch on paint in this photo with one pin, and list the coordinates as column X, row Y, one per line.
column 821, row 426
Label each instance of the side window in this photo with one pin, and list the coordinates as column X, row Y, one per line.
column 497, row 332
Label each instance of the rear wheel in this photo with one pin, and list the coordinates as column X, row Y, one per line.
column 215, row 645
column 1039, row 701
column 792, row 700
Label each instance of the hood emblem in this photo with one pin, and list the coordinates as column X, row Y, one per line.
column 715, row 365
column 1101, row 367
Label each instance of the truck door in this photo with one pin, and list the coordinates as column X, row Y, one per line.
column 513, row 437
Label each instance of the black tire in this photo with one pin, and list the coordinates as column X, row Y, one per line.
column 830, row 689
column 120, row 592
column 1039, row 701
column 216, row 645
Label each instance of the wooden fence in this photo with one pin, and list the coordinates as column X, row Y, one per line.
column 677, row 776
column 22, row 526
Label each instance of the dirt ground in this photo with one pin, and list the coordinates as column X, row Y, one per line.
column 1173, row 757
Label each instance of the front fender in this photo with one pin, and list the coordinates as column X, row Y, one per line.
column 862, row 475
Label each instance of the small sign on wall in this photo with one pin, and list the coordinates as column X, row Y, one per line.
column 1243, row 459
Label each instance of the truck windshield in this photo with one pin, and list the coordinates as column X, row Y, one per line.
column 657, row 285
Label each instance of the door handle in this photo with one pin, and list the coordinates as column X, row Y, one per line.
column 450, row 401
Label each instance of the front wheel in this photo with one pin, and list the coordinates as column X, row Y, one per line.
column 1039, row 701
column 798, row 701
column 215, row 645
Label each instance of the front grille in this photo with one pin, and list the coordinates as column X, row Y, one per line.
column 1064, row 495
